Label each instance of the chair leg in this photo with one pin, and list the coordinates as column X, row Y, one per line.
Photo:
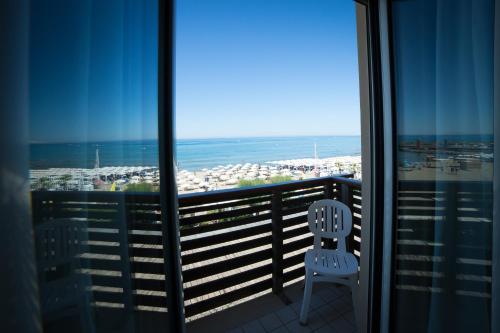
column 307, row 297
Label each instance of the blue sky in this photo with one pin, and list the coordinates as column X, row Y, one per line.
column 243, row 68
column 266, row 67
column 93, row 70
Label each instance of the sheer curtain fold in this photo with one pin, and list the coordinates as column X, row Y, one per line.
column 443, row 65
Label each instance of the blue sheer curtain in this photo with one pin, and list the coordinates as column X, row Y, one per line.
column 93, row 104
column 443, row 75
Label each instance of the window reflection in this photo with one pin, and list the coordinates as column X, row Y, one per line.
column 93, row 155
column 443, row 61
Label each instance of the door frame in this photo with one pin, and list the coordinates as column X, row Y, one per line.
column 495, row 270
column 388, row 174
column 363, row 301
column 383, row 193
column 168, row 188
column 377, row 166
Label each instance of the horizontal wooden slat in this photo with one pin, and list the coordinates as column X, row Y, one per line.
column 296, row 210
column 147, row 267
column 107, row 280
column 103, row 236
column 109, row 297
column 102, row 249
column 102, row 264
column 240, row 222
column 145, row 239
column 227, row 297
column 188, row 259
column 294, row 274
column 226, row 282
column 299, row 202
column 298, row 244
column 225, row 214
column 231, row 204
column 290, row 196
column 294, row 260
column 148, row 284
column 296, row 220
column 146, row 252
column 226, row 265
column 225, row 237
column 296, row 232
column 151, row 300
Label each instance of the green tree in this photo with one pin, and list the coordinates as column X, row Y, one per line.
column 64, row 179
column 43, row 183
column 280, row 179
column 250, row 182
column 255, row 182
column 141, row 187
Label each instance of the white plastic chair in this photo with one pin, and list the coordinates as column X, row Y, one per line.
column 329, row 219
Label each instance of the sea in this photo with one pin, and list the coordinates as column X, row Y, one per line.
column 191, row 154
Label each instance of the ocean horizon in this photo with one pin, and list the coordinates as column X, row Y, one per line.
column 192, row 154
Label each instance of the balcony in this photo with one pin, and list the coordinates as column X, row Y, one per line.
column 243, row 251
column 240, row 248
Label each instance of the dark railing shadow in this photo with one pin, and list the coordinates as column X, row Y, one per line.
column 443, row 255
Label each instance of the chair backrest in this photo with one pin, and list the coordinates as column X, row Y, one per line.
column 60, row 243
column 330, row 219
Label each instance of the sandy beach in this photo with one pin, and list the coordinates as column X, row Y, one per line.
column 219, row 177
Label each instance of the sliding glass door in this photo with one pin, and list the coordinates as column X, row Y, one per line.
column 441, row 248
column 101, row 143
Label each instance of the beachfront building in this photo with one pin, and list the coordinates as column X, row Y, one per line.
column 80, row 255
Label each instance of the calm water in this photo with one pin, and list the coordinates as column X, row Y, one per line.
column 191, row 154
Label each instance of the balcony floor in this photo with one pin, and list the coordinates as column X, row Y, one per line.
column 331, row 311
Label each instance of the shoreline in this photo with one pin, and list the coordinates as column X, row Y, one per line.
column 202, row 180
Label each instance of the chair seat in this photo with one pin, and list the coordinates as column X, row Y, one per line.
column 331, row 262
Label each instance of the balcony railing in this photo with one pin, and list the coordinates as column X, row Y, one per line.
column 236, row 244
column 443, row 248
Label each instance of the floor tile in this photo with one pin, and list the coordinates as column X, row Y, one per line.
column 342, row 325
column 296, row 306
column 253, row 327
column 295, row 327
column 235, row 330
column 325, row 329
column 315, row 321
column 341, row 305
column 282, row 329
column 328, row 312
column 270, row 322
column 349, row 316
column 328, row 294
column 286, row 314
column 316, row 302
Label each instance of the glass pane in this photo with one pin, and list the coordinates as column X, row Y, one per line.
column 265, row 103
column 443, row 74
column 267, row 93
column 94, row 151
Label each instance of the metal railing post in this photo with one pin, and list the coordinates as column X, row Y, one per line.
column 450, row 230
column 346, row 198
column 329, row 189
column 126, row 263
column 277, row 245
